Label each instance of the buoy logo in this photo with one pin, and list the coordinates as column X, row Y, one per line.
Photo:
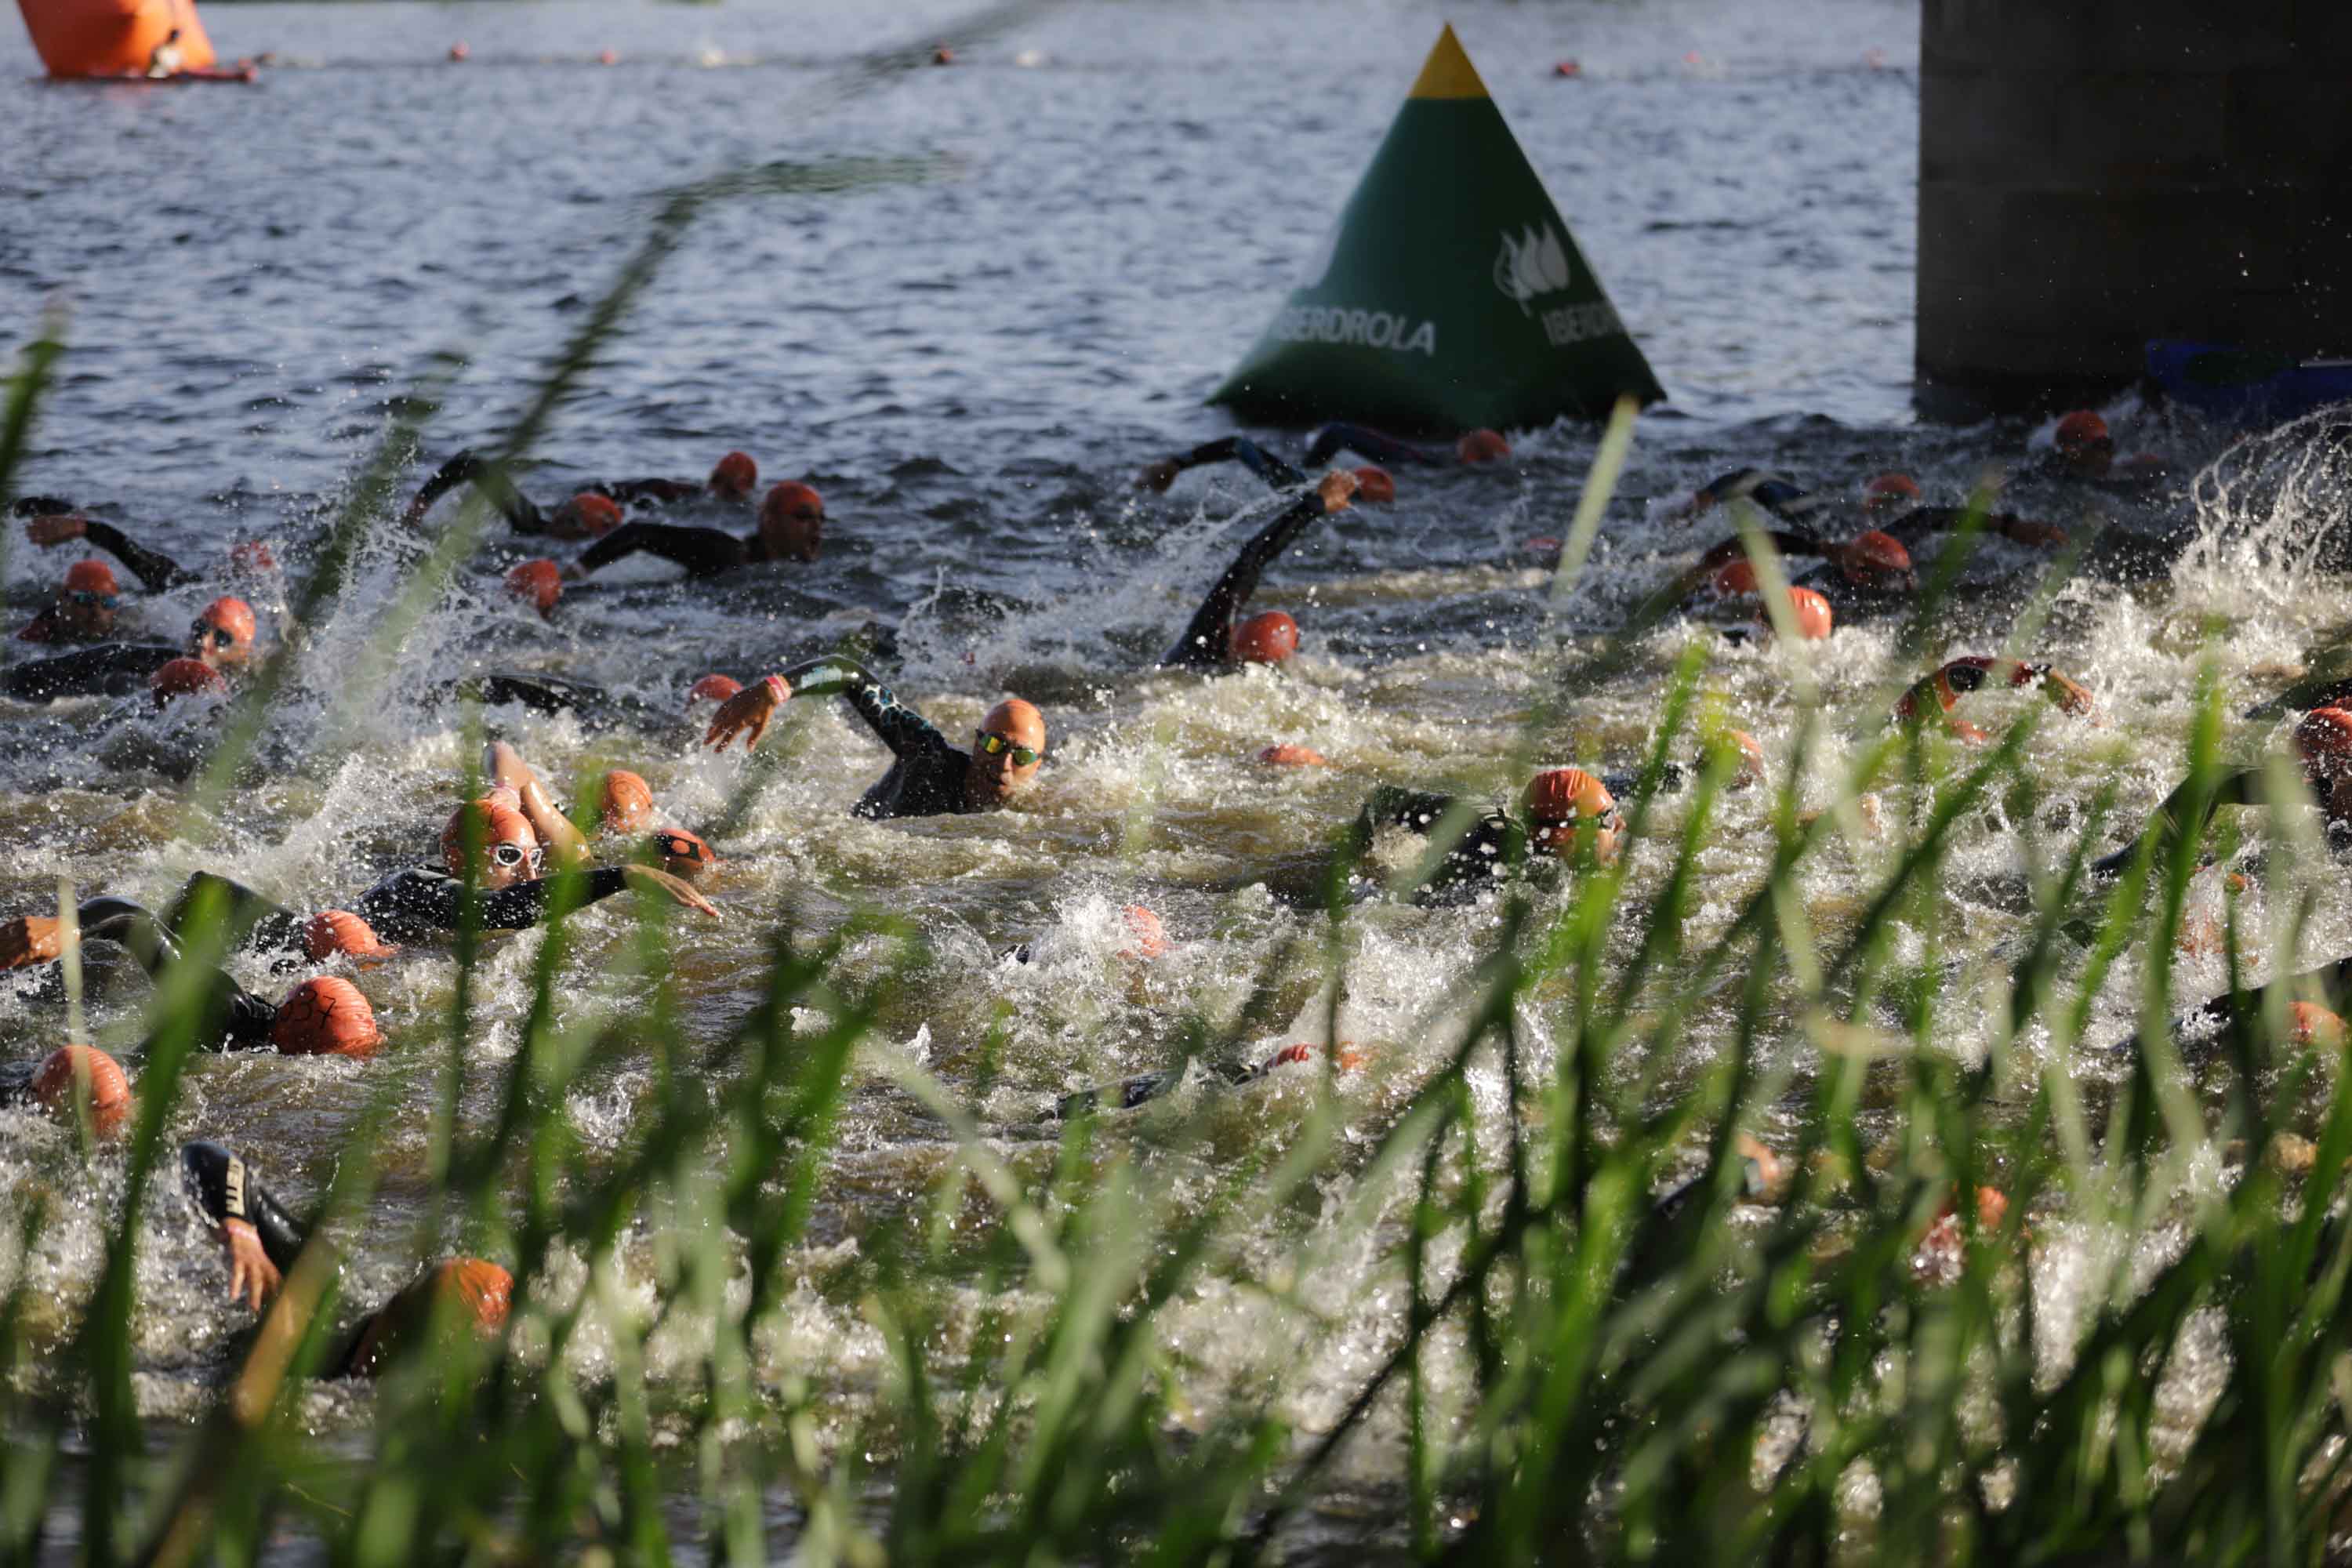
column 1530, row 265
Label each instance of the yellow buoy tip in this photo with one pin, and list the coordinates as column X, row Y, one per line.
column 1448, row 73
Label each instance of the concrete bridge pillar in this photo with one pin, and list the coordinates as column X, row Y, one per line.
column 2094, row 173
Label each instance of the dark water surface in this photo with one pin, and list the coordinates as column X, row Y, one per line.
column 971, row 367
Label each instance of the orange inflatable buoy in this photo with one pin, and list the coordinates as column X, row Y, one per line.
column 114, row 37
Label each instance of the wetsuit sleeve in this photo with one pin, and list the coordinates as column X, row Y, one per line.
column 657, row 492
column 548, row 694
column 223, row 1187
column 1206, row 644
column 900, row 727
column 109, row 669
column 466, row 467
column 1335, row 438
column 254, row 921
column 1249, row 454
column 2243, row 787
column 1416, row 810
column 703, row 551
column 527, row 903
column 41, row 506
column 154, row 570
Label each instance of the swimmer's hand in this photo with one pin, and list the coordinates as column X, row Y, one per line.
column 645, row 880
column 251, row 1275
column 1158, row 476
column 1336, row 488
column 56, row 529
column 2072, row 696
column 29, row 940
column 747, row 714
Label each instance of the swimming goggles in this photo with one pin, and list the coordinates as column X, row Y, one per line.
column 994, row 744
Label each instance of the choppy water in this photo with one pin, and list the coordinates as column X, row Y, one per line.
column 972, row 368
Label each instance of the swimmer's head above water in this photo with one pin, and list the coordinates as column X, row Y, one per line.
column 734, row 476
column 1268, row 637
column 1482, row 446
column 87, row 601
column 2085, row 444
column 1006, row 752
column 791, row 522
column 506, row 847
column 1560, row 802
column 222, row 635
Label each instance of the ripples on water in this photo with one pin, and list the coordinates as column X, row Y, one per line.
column 972, row 371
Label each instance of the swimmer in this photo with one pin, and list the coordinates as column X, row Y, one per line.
column 595, row 509
column 1476, row 447
column 1941, row 692
column 2083, row 451
column 791, row 528
column 1562, row 808
column 82, row 609
column 65, row 1076
column 2323, row 746
column 930, row 777
column 1214, row 641
column 623, row 805
column 221, row 639
column 262, row 1240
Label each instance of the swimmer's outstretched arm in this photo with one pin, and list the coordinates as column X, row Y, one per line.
column 108, row 669
column 418, row 905
column 703, row 551
column 1224, row 449
column 1337, row 438
column 1206, row 643
column 262, row 1238
column 1922, row 520
column 2247, row 787
column 655, row 493
column 468, row 468
column 154, row 570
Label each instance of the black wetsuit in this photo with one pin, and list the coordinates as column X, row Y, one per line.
column 1129, row 1092
column 419, row 904
column 102, row 670
column 928, row 777
column 154, row 570
column 522, row 514
column 1207, row 642
column 703, row 551
column 2246, row 786
column 223, row 1187
column 227, row 1015
column 1494, row 845
column 1326, row 443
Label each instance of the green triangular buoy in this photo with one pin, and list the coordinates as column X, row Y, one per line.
column 1450, row 294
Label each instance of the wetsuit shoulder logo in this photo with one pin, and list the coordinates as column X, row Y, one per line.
column 1531, row 264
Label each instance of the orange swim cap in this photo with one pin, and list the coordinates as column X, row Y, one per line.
column 332, row 931
column 682, row 853
column 1812, row 614
column 793, row 499
column 1888, row 491
column 1266, row 639
column 501, row 826
column 538, row 583
column 625, row 802
column 1151, row 937
column 184, row 678
column 471, row 1292
column 1881, row 550
column 91, row 577
column 734, row 475
column 1482, row 446
column 109, row 1091
column 1751, row 760
column 2323, row 740
column 585, row 516
column 1374, row 483
column 712, row 688
column 327, row 1016
column 1562, row 795
column 2314, row 1024
column 234, row 617
column 2080, row 431
column 1283, row 754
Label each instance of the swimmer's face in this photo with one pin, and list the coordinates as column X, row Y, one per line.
column 87, row 614
column 508, row 862
column 218, row 647
column 1008, row 751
